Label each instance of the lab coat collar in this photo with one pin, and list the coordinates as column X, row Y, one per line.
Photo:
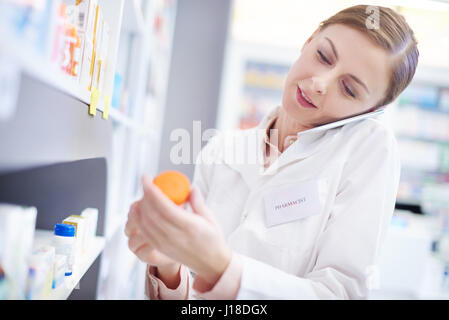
column 252, row 170
column 308, row 143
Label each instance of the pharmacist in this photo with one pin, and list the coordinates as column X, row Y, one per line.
column 309, row 221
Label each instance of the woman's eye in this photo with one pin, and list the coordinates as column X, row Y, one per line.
column 348, row 90
column 323, row 57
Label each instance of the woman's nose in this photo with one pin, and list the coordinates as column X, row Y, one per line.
column 319, row 85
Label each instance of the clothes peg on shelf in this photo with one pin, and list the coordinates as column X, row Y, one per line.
column 107, row 103
column 94, row 96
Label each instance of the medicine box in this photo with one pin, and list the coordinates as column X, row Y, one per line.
column 86, row 11
column 80, row 226
column 91, row 215
column 40, row 274
column 59, row 267
column 17, row 224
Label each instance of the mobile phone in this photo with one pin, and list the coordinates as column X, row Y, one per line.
column 342, row 122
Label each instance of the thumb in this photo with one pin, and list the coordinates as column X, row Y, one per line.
column 198, row 204
column 146, row 182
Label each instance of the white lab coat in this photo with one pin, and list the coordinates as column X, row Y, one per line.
column 329, row 255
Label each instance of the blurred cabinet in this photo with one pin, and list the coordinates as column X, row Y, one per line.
column 421, row 122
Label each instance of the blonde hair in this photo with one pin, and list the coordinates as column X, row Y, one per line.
column 390, row 31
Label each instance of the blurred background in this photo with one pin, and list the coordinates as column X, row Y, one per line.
column 91, row 91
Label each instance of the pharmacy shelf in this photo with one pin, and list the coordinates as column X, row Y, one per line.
column 80, row 268
column 129, row 139
column 120, row 118
column 422, row 138
column 409, row 201
column 37, row 66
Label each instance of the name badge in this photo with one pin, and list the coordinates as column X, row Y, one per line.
column 292, row 202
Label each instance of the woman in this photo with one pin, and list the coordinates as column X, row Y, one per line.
column 310, row 221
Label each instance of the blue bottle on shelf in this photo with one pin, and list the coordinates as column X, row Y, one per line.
column 64, row 242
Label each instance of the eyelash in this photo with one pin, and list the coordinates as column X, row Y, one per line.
column 323, row 57
column 325, row 60
column 348, row 90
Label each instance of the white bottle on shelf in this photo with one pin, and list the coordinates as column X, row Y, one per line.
column 64, row 242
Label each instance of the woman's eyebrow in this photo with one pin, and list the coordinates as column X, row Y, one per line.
column 333, row 47
column 352, row 76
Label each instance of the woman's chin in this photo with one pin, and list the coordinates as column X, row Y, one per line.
column 292, row 110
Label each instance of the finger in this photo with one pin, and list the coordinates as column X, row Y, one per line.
column 196, row 201
column 144, row 252
column 156, row 227
column 134, row 206
column 152, row 256
column 131, row 223
column 131, row 227
column 136, row 225
column 155, row 196
column 153, row 228
column 135, row 241
column 198, row 204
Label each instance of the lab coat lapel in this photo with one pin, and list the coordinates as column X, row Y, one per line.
column 244, row 150
column 243, row 153
column 307, row 144
column 249, row 146
column 312, row 140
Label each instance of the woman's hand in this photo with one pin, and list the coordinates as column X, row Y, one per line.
column 138, row 244
column 175, row 234
column 167, row 269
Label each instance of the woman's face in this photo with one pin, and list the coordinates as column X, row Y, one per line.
column 341, row 71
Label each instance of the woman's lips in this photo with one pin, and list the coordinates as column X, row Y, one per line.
column 303, row 102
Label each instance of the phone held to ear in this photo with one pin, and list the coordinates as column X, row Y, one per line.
column 342, row 122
